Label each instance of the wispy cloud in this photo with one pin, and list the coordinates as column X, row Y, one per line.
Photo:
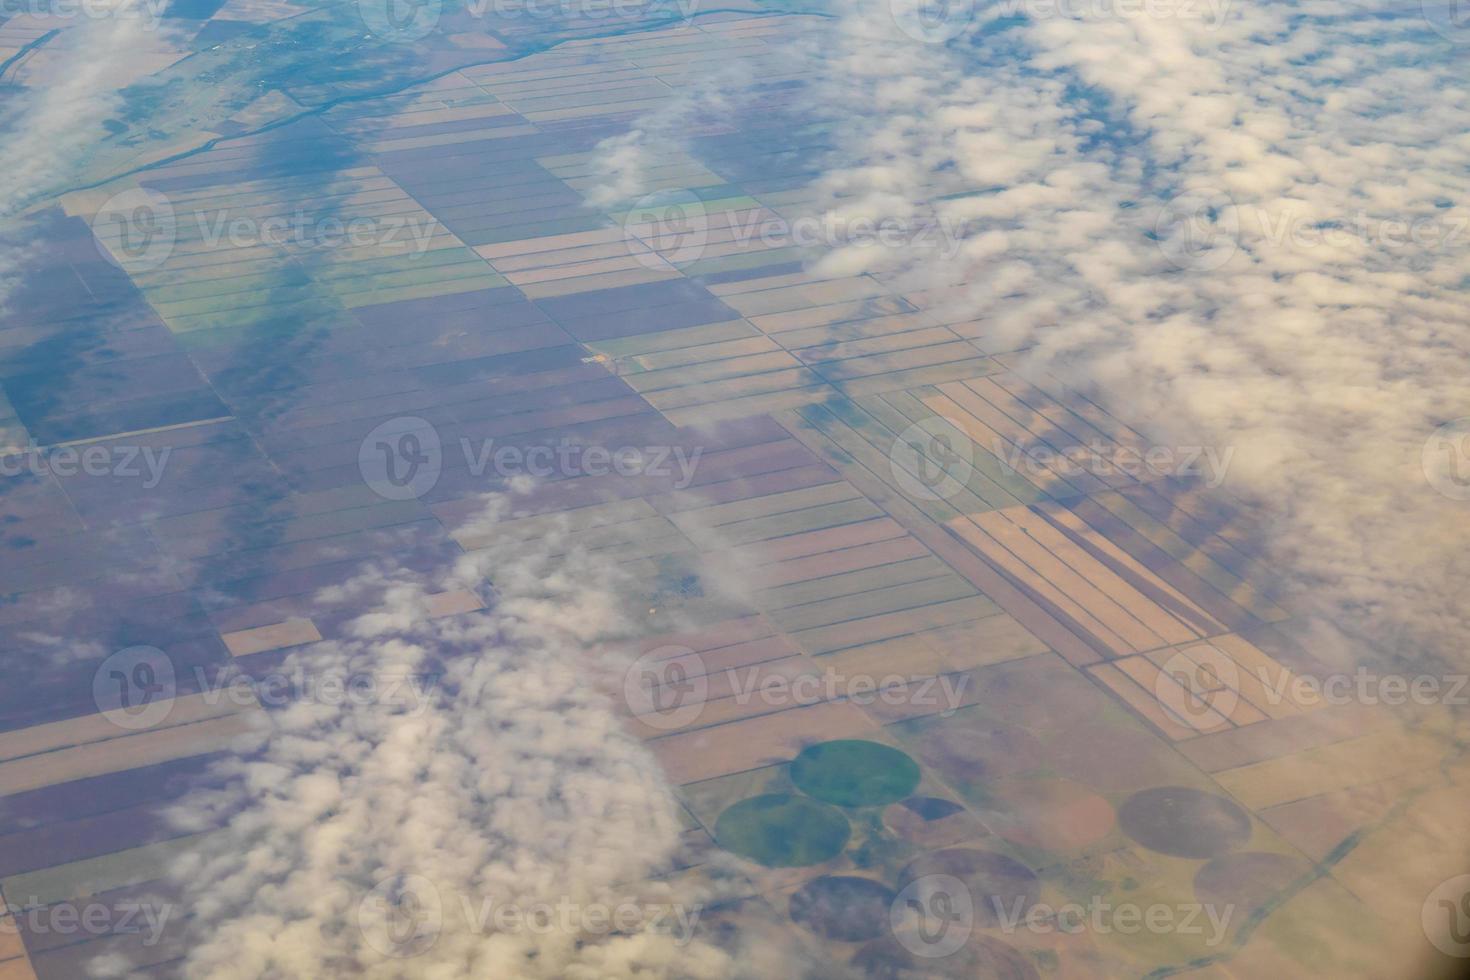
column 49, row 131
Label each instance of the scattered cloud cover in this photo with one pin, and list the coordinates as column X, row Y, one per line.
column 1248, row 229
column 365, row 840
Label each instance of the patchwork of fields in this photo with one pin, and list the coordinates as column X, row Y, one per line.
column 1029, row 666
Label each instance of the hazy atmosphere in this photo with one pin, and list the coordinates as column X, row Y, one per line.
column 695, row 489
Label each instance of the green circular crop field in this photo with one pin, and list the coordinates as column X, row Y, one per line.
column 853, row 772
column 782, row 831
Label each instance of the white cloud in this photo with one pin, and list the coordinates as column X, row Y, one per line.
column 1317, row 323
column 517, row 787
column 50, row 130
